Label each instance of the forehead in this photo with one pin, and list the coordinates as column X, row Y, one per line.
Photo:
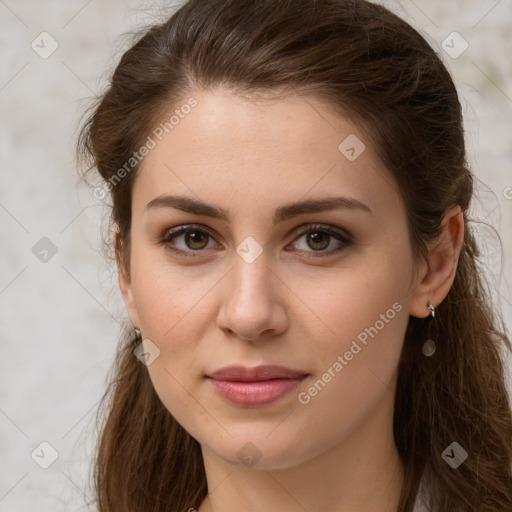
column 232, row 149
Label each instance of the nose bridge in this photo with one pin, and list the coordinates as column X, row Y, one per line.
column 251, row 275
column 250, row 303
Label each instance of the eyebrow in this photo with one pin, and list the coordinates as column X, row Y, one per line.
column 281, row 214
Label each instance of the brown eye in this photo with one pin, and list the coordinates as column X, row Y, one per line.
column 196, row 239
column 317, row 239
column 187, row 239
column 313, row 241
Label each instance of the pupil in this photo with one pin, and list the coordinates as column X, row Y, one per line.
column 316, row 238
column 194, row 237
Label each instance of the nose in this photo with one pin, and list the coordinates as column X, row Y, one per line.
column 252, row 301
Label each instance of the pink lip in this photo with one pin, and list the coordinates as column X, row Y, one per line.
column 253, row 387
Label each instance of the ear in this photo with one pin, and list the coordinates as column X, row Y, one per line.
column 124, row 280
column 438, row 272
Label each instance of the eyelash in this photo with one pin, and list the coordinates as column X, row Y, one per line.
column 343, row 237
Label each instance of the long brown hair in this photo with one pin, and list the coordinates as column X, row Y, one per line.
column 367, row 62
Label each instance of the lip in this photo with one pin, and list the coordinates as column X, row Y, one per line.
column 254, row 387
column 256, row 373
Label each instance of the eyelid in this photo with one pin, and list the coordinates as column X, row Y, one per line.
column 312, row 226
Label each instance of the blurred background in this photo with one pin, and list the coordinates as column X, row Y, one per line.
column 60, row 310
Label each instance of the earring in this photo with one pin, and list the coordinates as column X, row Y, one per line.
column 138, row 335
column 429, row 348
column 432, row 309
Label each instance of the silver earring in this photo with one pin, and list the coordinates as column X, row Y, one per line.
column 138, row 335
column 429, row 348
column 432, row 309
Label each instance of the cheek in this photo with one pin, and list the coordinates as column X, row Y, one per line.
column 369, row 331
column 356, row 367
column 356, row 297
column 170, row 313
column 169, row 298
column 175, row 309
column 365, row 314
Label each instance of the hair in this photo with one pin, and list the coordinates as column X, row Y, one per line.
column 371, row 65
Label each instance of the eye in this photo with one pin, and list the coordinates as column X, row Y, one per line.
column 191, row 240
column 318, row 238
column 187, row 239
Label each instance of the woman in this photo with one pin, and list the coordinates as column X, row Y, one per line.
column 311, row 330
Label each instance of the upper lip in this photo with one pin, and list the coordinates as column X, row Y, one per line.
column 257, row 373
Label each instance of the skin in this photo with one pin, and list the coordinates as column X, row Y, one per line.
column 335, row 453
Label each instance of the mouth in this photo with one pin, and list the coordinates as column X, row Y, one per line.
column 255, row 387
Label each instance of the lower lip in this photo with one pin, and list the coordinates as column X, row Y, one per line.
column 254, row 394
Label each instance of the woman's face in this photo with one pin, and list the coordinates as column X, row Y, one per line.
column 270, row 275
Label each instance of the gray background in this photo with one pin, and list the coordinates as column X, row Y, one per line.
column 60, row 318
